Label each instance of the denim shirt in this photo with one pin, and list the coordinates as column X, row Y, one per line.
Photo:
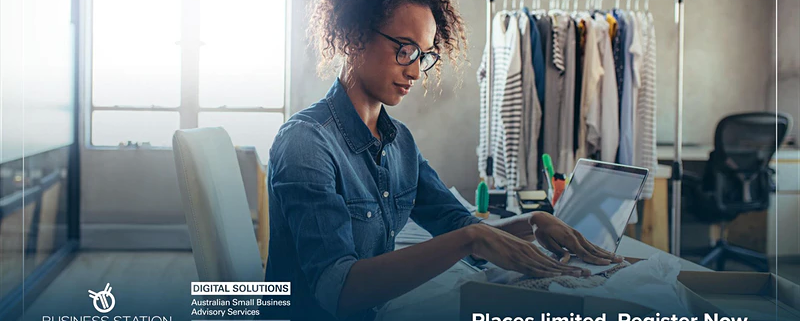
column 337, row 194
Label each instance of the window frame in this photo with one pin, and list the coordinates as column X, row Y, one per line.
column 189, row 108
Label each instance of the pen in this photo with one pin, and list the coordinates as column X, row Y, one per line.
column 547, row 162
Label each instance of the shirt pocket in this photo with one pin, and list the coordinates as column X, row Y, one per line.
column 405, row 202
column 368, row 227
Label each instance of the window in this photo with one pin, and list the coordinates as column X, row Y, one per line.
column 163, row 65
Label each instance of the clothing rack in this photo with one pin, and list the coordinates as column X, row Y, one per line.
column 489, row 83
column 677, row 164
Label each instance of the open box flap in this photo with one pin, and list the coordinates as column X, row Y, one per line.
column 721, row 282
column 788, row 292
column 746, row 293
column 482, row 297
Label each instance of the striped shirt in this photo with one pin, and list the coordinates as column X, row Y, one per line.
column 646, row 105
column 501, row 139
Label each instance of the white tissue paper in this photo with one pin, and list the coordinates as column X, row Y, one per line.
column 651, row 283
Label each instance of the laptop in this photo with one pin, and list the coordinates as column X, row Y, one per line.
column 600, row 199
column 598, row 202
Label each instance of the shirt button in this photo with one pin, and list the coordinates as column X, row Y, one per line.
column 392, row 233
column 369, row 214
column 385, row 194
column 383, row 153
column 414, row 201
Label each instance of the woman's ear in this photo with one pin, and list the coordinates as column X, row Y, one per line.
column 356, row 58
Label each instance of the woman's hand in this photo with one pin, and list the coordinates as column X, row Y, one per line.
column 555, row 235
column 512, row 253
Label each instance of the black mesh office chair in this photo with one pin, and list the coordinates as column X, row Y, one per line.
column 737, row 179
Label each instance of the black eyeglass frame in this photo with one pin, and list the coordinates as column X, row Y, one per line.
column 420, row 56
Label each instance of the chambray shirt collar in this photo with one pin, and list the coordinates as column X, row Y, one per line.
column 355, row 132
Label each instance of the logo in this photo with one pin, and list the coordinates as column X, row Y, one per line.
column 104, row 298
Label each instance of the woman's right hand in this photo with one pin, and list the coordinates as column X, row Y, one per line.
column 512, row 253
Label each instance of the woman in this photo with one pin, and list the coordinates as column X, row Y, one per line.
column 344, row 177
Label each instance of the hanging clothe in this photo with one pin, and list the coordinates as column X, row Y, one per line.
column 578, row 85
column 548, row 28
column 626, row 96
column 485, row 145
column 580, row 41
column 565, row 160
column 537, row 56
column 511, row 104
column 617, row 44
column 589, row 127
column 530, row 118
column 646, row 105
column 609, row 99
column 637, row 51
column 504, row 44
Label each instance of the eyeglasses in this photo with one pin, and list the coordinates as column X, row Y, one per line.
column 409, row 52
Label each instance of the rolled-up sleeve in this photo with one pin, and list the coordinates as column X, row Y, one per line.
column 435, row 208
column 302, row 180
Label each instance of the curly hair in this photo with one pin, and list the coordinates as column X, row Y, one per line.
column 340, row 28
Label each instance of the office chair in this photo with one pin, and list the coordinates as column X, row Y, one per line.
column 736, row 179
column 215, row 205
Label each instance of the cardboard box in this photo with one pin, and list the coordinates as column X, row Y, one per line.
column 746, row 294
column 511, row 301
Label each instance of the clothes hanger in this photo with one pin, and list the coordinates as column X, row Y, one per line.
column 628, row 6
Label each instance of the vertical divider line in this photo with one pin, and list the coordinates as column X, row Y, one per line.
column 23, row 158
column 777, row 187
column 1, row 126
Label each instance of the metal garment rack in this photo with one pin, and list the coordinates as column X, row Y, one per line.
column 677, row 164
column 489, row 92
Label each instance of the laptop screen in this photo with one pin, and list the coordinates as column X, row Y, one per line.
column 600, row 199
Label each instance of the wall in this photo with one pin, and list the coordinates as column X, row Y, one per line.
column 727, row 66
column 727, row 70
column 788, row 63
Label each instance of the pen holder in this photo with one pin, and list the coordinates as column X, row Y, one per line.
column 559, row 184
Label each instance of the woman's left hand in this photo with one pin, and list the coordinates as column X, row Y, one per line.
column 555, row 236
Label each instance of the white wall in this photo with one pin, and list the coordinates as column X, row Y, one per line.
column 788, row 63
column 727, row 70
column 37, row 83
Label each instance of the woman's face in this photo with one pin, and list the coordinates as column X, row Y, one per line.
column 381, row 76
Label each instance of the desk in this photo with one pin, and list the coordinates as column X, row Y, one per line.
column 688, row 153
column 783, row 215
column 782, row 219
column 437, row 299
column 655, row 212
